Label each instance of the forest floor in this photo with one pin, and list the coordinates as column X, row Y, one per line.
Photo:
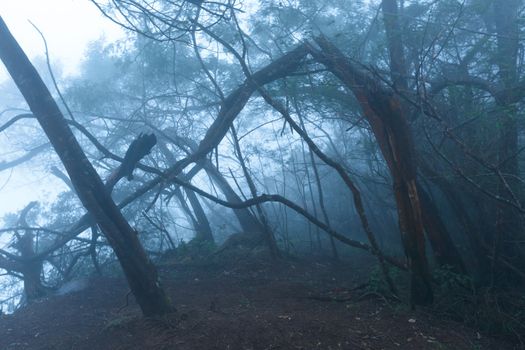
column 242, row 304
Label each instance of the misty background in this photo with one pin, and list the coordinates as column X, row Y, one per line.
column 382, row 133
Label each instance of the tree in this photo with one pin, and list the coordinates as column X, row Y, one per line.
column 139, row 271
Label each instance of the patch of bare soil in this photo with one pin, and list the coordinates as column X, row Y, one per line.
column 283, row 305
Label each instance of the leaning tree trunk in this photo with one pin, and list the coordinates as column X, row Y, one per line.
column 248, row 222
column 140, row 272
column 445, row 251
column 198, row 218
column 391, row 130
column 268, row 233
column 442, row 245
column 204, row 233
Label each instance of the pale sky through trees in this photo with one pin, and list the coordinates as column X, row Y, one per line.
column 249, row 165
column 69, row 26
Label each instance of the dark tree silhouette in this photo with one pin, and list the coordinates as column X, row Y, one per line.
column 140, row 272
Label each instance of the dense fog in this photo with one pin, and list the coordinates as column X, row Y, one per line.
column 381, row 138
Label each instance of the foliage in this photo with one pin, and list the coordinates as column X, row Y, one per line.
column 496, row 312
column 465, row 116
column 192, row 252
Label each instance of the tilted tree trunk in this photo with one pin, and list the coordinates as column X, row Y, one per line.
column 204, row 233
column 445, row 251
column 138, row 269
column 442, row 245
column 268, row 233
column 390, row 127
column 249, row 223
column 198, row 217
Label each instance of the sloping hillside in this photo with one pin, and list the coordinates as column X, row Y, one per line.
column 287, row 305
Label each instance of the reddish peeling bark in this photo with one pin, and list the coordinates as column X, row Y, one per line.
column 391, row 130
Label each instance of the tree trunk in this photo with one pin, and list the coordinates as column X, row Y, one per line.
column 203, row 228
column 395, row 140
column 442, row 245
column 200, row 224
column 268, row 233
column 28, row 266
column 33, row 288
column 508, row 219
column 398, row 69
column 445, row 251
column 198, row 217
column 390, row 127
column 249, row 223
column 138, row 269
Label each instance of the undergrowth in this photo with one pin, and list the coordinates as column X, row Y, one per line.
column 189, row 252
column 495, row 312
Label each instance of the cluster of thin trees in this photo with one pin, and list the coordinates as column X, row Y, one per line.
column 365, row 123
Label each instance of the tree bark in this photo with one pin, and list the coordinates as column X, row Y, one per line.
column 509, row 224
column 445, row 251
column 390, row 127
column 138, row 269
column 31, row 269
column 442, row 245
column 268, row 233
column 249, row 223
column 203, row 228
column 398, row 69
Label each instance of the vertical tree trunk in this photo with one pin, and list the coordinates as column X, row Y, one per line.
column 398, row 69
column 393, row 133
column 508, row 219
column 30, row 268
column 138, row 269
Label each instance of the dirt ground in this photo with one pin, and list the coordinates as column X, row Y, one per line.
column 285, row 305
